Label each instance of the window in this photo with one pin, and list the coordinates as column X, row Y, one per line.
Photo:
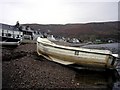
column 17, row 36
column 8, row 34
column 2, row 34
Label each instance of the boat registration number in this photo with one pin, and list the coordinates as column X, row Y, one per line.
column 76, row 52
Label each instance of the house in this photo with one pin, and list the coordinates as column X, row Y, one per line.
column 27, row 32
column 51, row 37
column 37, row 34
column 73, row 40
column 10, row 33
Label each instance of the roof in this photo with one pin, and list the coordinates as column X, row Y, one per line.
column 27, row 30
column 8, row 27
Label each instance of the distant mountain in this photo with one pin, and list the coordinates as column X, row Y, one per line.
column 88, row 31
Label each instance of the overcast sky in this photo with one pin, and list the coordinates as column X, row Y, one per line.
column 58, row 11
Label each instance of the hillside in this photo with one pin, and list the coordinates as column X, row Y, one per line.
column 90, row 31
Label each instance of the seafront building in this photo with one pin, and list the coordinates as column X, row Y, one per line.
column 10, row 33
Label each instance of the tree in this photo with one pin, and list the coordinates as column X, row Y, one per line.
column 17, row 24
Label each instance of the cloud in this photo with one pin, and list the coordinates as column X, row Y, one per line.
column 57, row 11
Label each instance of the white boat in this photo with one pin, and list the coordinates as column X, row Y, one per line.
column 10, row 43
column 75, row 55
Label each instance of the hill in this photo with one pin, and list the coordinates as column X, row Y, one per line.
column 88, row 31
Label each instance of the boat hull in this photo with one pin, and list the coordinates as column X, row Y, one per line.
column 10, row 43
column 71, row 55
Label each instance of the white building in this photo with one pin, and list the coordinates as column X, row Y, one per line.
column 8, row 33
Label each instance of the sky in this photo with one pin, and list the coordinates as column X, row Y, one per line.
column 58, row 11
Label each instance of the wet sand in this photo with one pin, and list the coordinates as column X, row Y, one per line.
column 23, row 68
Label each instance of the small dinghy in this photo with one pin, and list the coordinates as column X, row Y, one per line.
column 68, row 55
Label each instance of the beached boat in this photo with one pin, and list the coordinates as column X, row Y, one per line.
column 68, row 55
column 9, row 43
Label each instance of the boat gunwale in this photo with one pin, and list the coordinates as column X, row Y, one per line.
column 73, row 49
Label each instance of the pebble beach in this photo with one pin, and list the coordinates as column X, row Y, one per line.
column 23, row 68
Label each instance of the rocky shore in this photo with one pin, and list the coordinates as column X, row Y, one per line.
column 23, row 68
